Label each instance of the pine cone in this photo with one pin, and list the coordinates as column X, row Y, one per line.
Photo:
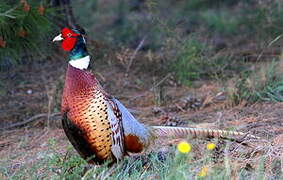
column 22, row 33
column 41, row 10
column 26, row 7
column 2, row 42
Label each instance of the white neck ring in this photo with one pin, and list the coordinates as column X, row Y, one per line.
column 81, row 63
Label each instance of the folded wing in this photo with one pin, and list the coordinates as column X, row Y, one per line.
column 137, row 137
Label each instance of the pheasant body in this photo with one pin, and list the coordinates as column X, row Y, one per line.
column 98, row 118
column 99, row 127
column 87, row 106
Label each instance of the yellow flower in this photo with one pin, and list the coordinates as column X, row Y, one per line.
column 203, row 172
column 210, row 146
column 184, row 147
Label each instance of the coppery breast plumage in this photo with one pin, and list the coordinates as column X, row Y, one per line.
column 85, row 107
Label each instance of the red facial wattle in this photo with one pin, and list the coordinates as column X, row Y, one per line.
column 69, row 39
column 69, row 43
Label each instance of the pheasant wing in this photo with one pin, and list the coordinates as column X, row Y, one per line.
column 137, row 137
column 115, row 119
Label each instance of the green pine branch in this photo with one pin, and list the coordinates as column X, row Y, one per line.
column 24, row 28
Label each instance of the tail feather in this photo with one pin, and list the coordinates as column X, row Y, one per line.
column 166, row 131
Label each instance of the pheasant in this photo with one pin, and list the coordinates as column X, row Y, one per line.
column 99, row 126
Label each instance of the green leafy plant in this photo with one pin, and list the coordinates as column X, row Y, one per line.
column 186, row 66
column 219, row 23
column 196, row 60
column 266, row 84
column 274, row 93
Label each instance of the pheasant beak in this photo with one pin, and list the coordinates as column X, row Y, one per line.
column 58, row 38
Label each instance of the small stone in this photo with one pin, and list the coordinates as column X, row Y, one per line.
column 156, row 110
column 29, row 91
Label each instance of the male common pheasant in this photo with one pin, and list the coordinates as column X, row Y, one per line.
column 99, row 127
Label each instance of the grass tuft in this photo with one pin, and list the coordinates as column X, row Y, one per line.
column 264, row 84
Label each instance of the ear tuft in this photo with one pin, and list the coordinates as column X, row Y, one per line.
column 80, row 29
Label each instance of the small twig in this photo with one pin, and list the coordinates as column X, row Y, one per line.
column 50, row 95
column 65, row 157
column 87, row 173
column 7, row 13
column 151, row 89
column 269, row 44
column 160, row 82
column 274, row 40
column 179, row 107
column 101, row 76
column 31, row 119
column 135, row 53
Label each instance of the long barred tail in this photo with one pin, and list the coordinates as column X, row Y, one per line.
column 166, row 131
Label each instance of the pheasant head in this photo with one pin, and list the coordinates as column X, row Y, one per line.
column 74, row 43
